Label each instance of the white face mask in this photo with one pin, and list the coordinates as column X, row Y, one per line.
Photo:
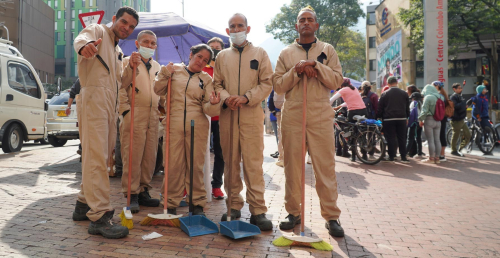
column 238, row 38
column 146, row 52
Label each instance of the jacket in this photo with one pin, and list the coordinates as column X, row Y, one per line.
column 145, row 97
column 75, row 89
column 480, row 106
column 460, row 107
column 431, row 96
column 328, row 67
column 105, row 69
column 393, row 104
column 272, row 107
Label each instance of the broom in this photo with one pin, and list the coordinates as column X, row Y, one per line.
column 164, row 219
column 302, row 240
column 126, row 214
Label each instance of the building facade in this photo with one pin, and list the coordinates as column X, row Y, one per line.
column 67, row 26
column 30, row 28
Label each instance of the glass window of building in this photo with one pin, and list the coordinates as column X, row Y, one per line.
column 371, row 42
column 83, row 3
column 72, row 25
column 91, row 3
column 49, row 3
column 372, row 65
column 371, row 19
column 55, row 25
column 58, row 14
column 72, row 3
column 72, row 14
column 55, row 3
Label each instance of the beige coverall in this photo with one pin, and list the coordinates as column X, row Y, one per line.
column 146, row 117
column 247, row 73
column 100, row 79
column 190, row 100
column 319, row 127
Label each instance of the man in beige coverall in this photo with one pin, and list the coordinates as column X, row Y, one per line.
column 100, row 70
column 146, row 117
column 242, row 76
column 317, row 60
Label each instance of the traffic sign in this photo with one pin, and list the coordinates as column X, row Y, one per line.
column 91, row 18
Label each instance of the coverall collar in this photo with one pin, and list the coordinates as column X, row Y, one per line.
column 244, row 46
column 296, row 43
column 111, row 34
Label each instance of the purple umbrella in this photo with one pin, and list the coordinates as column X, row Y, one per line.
column 175, row 35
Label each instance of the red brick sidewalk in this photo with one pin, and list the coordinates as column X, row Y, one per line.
column 415, row 210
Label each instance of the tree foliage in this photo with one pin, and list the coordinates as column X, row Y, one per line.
column 334, row 17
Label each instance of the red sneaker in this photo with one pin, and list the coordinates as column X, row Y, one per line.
column 185, row 193
column 217, row 193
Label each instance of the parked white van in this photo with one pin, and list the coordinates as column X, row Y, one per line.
column 23, row 110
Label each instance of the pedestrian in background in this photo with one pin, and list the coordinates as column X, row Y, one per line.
column 432, row 127
column 458, row 124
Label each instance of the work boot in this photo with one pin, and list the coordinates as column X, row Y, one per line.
column 80, row 212
column 172, row 211
column 146, row 200
column 290, row 222
column 334, row 228
column 134, row 203
column 261, row 221
column 106, row 228
column 198, row 210
column 235, row 214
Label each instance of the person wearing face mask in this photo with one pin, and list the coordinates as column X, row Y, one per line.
column 146, row 115
column 317, row 62
column 242, row 76
column 216, row 44
column 192, row 96
column 101, row 74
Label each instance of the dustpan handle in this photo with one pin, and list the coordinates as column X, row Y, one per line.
column 191, row 206
column 304, row 116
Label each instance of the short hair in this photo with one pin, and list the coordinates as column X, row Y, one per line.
column 145, row 32
column 455, row 85
column 392, row 80
column 129, row 10
column 197, row 48
column 240, row 14
column 308, row 9
column 412, row 88
column 216, row 39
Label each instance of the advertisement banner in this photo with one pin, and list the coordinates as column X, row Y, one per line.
column 436, row 41
column 389, row 60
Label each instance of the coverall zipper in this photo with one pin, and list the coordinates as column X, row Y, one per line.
column 239, row 78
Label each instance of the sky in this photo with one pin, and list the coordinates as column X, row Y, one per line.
column 215, row 14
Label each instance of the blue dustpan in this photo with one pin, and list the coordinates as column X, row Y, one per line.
column 196, row 225
column 238, row 229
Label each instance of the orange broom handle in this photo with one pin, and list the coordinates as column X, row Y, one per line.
column 132, row 107
column 304, row 116
column 167, row 143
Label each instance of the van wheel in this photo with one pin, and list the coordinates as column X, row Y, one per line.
column 13, row 139
column 44, row 141
column 57, row 142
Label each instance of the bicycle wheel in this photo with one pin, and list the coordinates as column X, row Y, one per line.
column 486, row 141
column 469, row 145
column 370, row 147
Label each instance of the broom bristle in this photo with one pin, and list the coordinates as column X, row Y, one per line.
column 126, row 222
column 322, row 245
column 148, row 221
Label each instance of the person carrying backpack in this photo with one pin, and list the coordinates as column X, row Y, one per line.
column 414, row 129
column 370, row 99
column 430, row 118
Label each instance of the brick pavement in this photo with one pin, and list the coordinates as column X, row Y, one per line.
column 389, row 210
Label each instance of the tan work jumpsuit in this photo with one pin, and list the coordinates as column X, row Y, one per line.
column 190, row 100
column 244, row 73
column 146, row 117
column 100, row 79
column 319, row 127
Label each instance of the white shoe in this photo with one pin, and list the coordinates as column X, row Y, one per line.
column 309, row 160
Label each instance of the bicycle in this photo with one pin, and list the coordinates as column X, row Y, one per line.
column 364, row 140
column 485, row 140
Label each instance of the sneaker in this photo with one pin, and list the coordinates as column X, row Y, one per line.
column 386, row 159
column 134, row 203
column 436, row 161
column 280, row 163
column 289, row 222
column 274, row 155
column 80, row 212
column 146, row 200
column 334, row 228
column 185, row 194
column 405, row 160
column 429, row 160
column 442, row 158
column 456, row 153
column 106, row 228
column 217, row 193
column 235, row 214
column 261, row 221
column 198, row 210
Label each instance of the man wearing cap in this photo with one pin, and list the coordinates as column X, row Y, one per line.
column 394, row 109
column 458, row 120
column 480, row 108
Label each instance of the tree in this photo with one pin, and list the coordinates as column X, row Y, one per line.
column 467, row 21
column 334, row 17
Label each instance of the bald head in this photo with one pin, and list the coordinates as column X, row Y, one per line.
column 240, row 15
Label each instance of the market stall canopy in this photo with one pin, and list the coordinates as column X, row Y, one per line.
column 175, row 35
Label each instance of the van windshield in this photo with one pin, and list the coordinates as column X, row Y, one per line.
column 60, row 99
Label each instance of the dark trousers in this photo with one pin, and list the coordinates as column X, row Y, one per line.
column 218, row 161
column 395, row 134
column 414, row 138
